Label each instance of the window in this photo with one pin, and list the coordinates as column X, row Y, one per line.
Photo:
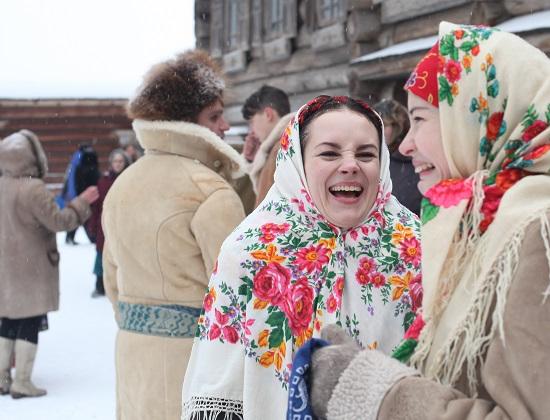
column 276, row 16
column 330, row 11
column 233, row 27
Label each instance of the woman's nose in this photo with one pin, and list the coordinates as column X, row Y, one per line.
column 349, row 165
column 407, row 145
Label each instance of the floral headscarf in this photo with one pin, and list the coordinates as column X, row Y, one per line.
column 494, row 104
column 283, row 274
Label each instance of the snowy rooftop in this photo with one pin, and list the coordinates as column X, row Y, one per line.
column 532, row 22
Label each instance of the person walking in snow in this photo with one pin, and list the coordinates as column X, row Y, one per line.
column 164, row 221
column 29, row 273
column 118, row 161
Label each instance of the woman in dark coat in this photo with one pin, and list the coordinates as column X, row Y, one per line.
column 118, row 161
column 404, row 179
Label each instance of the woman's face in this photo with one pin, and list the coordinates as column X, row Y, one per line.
column 424, row 145
column 118, row 163
column 342, row 166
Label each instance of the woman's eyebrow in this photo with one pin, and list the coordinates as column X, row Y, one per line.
column 418, row 108
column 368, row 146
column 329, row 144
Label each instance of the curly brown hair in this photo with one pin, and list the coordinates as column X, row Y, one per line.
column 178, row 89
column 396, row 115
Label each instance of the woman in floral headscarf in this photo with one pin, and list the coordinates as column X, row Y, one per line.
column 329, row 245
column 479, row 104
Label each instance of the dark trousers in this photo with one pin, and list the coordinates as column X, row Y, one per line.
column 21, row 329
column 99, row 288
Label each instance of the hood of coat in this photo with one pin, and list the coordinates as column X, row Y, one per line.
column 21, row 155
column 192, row 141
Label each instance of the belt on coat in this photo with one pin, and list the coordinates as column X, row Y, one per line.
column 160, row 320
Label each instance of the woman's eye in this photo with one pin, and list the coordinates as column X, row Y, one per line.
column 418, row 119
column 328, row 154
column 366, row 156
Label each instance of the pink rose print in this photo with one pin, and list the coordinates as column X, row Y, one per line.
column 452, row 71
column 534, row 130
column 271, row 283
column 493, row 125
column 215, row 332
column 299, row 306
column 450, row 192
column 416, row 292
column 339, row 288
column 377, row 279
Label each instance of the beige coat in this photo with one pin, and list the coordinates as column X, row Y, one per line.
column 262, row 168
column 165, row 219
column 515, row 375
column 29, row 218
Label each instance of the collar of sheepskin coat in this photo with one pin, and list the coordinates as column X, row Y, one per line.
column 192, row 141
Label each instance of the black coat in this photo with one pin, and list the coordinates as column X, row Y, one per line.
column 404, row 182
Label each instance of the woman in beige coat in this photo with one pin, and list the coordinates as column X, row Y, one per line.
column 29, row 274
column 164, row 220
column 479, row 104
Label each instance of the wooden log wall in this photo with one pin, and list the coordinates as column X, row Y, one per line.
column 63, row 125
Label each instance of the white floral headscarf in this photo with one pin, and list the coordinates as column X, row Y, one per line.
column 283, row 274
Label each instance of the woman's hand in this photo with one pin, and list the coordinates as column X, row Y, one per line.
column 90, row 194
column 327, row 364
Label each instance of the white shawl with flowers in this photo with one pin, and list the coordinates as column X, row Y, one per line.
column 282, row 275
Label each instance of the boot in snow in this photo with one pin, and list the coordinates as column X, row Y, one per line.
column 6, row 353
column 25, row 353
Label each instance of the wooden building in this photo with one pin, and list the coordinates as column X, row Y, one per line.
column 64, row 124
column 365, row 48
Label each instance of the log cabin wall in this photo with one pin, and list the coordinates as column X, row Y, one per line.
column 309, row 47
column 63, row 125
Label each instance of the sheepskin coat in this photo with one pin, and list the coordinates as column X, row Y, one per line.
column 29, row 218
column 164, row 220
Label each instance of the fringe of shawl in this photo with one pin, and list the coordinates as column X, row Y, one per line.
column 468, row 344
column 209, row 408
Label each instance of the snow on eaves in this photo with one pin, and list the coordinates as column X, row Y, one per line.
column 526, row 23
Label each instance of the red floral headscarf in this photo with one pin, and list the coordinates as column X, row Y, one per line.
column 423, row 80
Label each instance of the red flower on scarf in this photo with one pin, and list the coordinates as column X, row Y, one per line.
column 416, row 292
column 339, row 288
column 416, row 327
column 214, row 332
column 377, row 279
column 475, row 50
column 284, row 140
column 452, row 71
column 534, row 130
column 410, row 251
column 298, row 306
column 312, row 258
column 271, row 283
column 230, row 334
column 208, row 302
column 494, row 123
column 332, row 304
column 450, row 192
column 537, row 152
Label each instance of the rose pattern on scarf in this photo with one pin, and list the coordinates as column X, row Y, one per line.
column 290, row 262
column 510, row 154
column 457, row 51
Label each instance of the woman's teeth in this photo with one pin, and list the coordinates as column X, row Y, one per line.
column 346, row 188
column 423, row 168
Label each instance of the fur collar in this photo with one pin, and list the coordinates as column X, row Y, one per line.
column 192, row 141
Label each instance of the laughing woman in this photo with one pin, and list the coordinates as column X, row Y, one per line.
column 330, row 245
column 479, row 104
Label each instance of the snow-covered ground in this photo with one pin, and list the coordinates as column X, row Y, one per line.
column 75, row 360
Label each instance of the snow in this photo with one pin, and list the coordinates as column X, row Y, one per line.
column 75, row 359
column 531, row 22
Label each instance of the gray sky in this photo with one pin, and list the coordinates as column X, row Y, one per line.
column 87, row 48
